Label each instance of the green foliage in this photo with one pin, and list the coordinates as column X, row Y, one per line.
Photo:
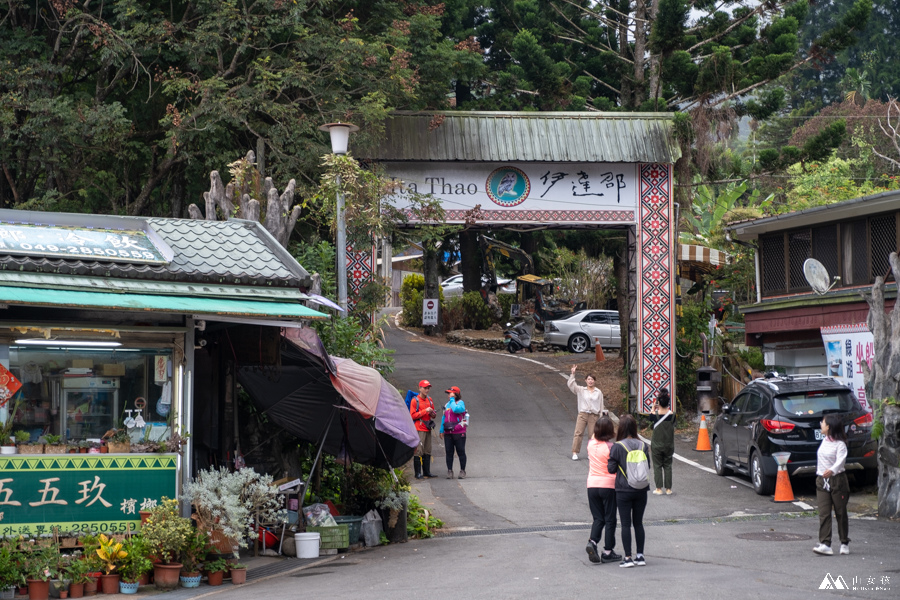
column 362, row 343
column 10, row 573
column 420, row 523
column 583, row 278
column 693, row 321
column 710, row 208
column 329, row 479
column 166, row 532
column 136, row 561
column 476, row 311
column 22, row 436
column 318, row 257
column 832, row 181
column 412, row 294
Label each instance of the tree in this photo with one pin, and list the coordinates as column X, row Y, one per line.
column 126, row 106
column 883, row 385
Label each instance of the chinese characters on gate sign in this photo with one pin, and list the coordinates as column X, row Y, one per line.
column 608, row 183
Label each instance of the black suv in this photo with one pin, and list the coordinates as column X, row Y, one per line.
column 783, row 414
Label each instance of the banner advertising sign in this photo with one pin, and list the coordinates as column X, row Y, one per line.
column 429, row 311
column 558, row 193
column 846, row 348
column 80, row 493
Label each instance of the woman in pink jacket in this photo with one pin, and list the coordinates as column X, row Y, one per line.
column 601, row 490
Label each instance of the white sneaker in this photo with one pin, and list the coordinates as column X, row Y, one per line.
column 845, row 549
column 574, row 456
column 823, row 549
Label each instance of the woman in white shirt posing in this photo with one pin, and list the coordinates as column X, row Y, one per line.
column 590, row 407
column 832, row 489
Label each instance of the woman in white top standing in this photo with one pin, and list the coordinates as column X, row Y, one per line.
column 832, row 489
column 590, row 407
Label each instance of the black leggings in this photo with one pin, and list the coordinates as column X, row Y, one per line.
column 455, row 441
column 631, row 514
column 603, row 508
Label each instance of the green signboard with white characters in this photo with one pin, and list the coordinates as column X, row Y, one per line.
column 81, row 492
column 87, row 244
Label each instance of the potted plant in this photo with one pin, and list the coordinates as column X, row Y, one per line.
column 10, row 573
column 166, row 533
column 216, row 569
column 238, row 573
column 40, row 561
column 111, row 555
column 83, row 447
column 226, row 504
column 6, row 436
column 54, row 445
column 134, row 565
column 22, row 439
column 118, row 441
column 393, row 505
column 192, row 556
column 79, row 571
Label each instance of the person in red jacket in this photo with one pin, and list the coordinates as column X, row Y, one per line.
column 423, row 414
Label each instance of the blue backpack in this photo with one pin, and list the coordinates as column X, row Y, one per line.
column 409, row 397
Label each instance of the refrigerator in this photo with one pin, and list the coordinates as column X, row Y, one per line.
column 89, row 406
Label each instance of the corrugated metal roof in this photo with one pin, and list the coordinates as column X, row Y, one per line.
column 527, row 137
column 156, row 303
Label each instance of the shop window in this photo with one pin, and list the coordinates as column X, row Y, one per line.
column 799, row 248
column 771, row 258
column 81, row 394
column 825, row 248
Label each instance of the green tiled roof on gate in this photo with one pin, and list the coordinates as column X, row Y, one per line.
column 527, row 137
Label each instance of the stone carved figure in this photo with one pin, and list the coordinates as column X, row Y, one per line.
column 883, row 385
column 281, row 214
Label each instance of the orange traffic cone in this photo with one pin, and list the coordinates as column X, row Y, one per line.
column 783, row 490
column 598, row 351
column 703, row 437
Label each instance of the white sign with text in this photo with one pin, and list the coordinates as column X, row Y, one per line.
column 571, row 193
column 847, row 347
column 429, row 311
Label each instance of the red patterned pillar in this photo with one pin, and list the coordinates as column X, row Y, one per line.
column 656, row 284
column 360, row 271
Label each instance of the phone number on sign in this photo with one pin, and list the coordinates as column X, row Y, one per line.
column 63, row 528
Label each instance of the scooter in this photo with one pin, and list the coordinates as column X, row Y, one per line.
column 517, row 338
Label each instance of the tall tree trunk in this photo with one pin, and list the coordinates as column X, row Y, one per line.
column 470, row 261
column 655, row 59
column 432, row 287
column 640, row 48
column 626, row 86
column 620, row 268
column 882, row 386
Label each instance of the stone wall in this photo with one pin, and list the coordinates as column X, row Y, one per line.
column 471, row 339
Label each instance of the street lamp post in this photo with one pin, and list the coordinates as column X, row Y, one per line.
column 340, row 137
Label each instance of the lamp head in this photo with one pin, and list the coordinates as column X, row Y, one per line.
column 340, row 135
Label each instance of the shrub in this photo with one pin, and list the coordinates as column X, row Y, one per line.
column 412, row 293
column 477, row 312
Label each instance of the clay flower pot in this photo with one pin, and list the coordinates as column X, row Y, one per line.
column 145, row 514
column 238, row 576
column 215, row 578
column 109, row 583
column 76, row 590
column 165, row 575
column 63, row 593
column 38, row 590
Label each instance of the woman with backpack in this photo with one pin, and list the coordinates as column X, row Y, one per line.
column 601, row 491
column 453, row 431
column 628, row 459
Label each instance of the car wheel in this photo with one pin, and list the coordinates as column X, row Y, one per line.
column 719, row 459
column 762, row 484
column 578, row 343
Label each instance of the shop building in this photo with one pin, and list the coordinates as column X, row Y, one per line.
column 119, row 323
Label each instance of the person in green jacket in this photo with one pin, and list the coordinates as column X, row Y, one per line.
column 662, row 442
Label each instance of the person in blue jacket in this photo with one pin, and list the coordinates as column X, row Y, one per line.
column 454, row 423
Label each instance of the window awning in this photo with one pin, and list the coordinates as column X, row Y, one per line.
column 30, row 296
column 701, row 258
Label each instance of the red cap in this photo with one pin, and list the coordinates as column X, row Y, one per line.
column 455, row 390
column 425, row 383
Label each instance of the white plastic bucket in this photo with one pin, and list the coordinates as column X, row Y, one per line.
column 307, row 545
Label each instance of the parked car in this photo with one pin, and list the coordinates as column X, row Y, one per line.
column 453, row 286
column 784, row 414
column 579, row 330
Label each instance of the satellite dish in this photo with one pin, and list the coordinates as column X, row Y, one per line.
column 817, row 276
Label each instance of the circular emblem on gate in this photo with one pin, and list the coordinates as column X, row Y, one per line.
column 508, row 186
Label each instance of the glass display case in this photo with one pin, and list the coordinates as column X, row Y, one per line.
column 89, row 406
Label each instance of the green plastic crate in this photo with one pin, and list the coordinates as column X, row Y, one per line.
column 332, row 537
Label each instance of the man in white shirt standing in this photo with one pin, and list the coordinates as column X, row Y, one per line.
column 590, row 407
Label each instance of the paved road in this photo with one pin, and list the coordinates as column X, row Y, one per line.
column 517, row 526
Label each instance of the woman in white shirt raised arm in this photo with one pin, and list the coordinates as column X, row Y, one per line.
column 832, row 489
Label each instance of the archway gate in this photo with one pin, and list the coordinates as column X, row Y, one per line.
column 565, row 170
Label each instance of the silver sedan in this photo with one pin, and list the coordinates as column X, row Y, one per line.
column 579, row 331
